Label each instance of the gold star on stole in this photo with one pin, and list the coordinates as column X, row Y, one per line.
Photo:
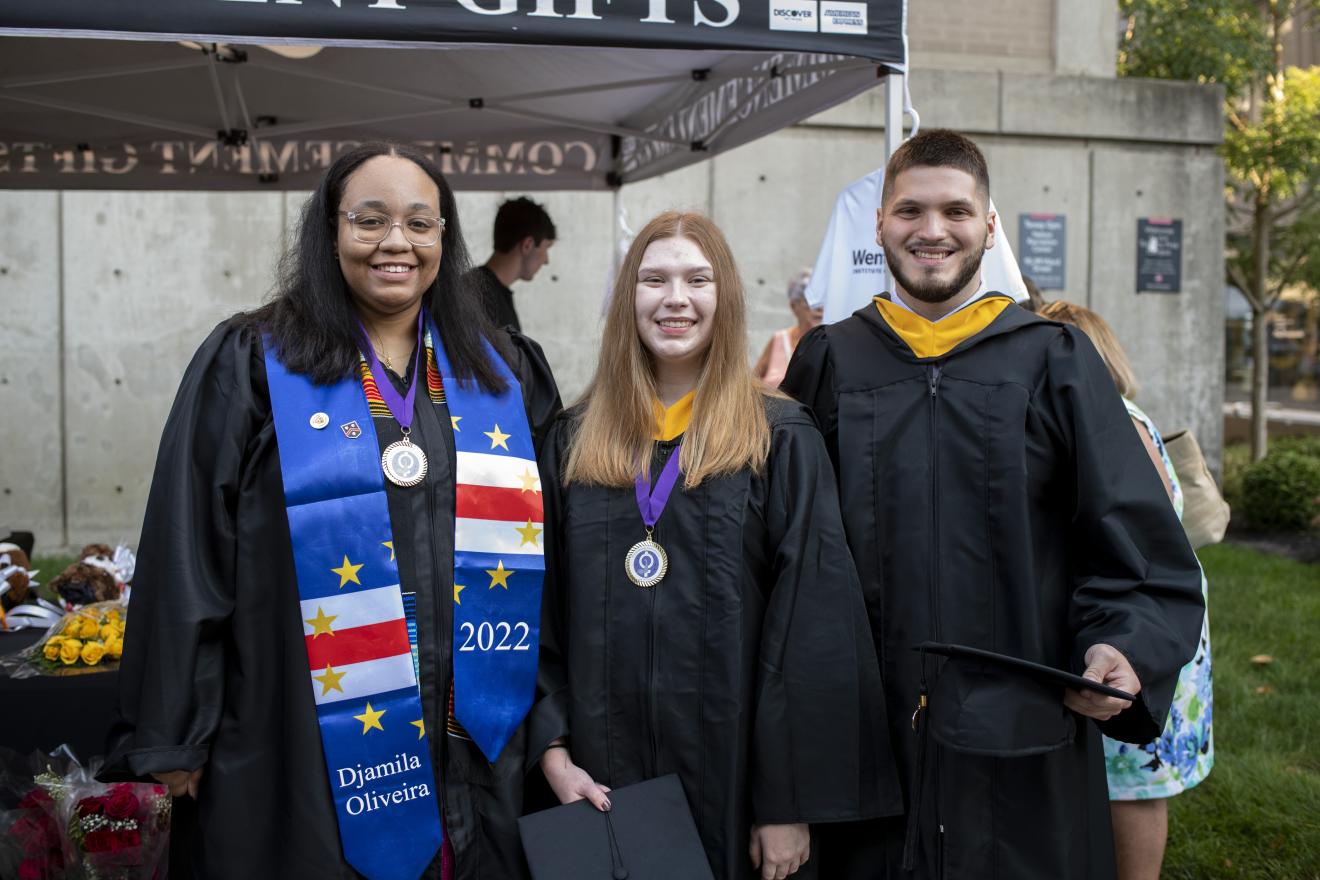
column 348, row 572
column 529, row 533
column 499, row 576
column 421, row 728
column 390, row 545
column 454, row 420
column 320, row 624
column 330, row 680
column 458, row 588
column 370, row 719
column 498, row 438
column 529, row 480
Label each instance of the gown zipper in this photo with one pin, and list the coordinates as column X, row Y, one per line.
column 933, row 377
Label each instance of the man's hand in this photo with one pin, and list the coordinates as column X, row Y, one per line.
column 570, row 782
column 180, row 782
column 779, row 850
column 1106, row 665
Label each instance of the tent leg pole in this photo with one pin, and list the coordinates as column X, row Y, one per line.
column 893, row 113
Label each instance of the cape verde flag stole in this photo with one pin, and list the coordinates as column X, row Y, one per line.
column 499, row 562
column 359, row 655
column 360, row 661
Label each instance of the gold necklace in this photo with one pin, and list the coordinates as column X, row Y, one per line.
column 380, row 352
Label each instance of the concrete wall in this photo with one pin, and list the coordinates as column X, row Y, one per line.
column 107, row 294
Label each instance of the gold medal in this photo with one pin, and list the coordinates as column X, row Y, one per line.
column 646, row 563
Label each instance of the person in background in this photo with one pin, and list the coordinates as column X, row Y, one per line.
column 1035, row 301
column 730, row 644
column 524, row 234
column 778, row 351
column 1143, row 778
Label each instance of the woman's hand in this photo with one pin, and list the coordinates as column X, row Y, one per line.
column 779, row 850
column 180, row 782
column 569, row 781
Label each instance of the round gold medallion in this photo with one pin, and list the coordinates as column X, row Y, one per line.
column 646, row 563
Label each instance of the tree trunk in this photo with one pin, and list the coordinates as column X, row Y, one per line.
column 1259, row 297
column 1260, row 380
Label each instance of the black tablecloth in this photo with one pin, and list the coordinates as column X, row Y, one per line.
column 44, row 711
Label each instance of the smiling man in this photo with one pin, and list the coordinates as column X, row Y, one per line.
column 996, row 497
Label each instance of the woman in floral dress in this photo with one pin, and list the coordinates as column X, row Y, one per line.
column 1142, row 778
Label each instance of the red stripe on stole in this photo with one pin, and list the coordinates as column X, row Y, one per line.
column 358, row 644
column 488, row 502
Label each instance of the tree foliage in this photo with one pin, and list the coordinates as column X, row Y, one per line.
column 1271, row 145
column 1208, row 41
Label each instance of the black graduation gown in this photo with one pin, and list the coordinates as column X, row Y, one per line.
column 214, row 671
column 496, row 298
column 997, row 496
column 748, row 670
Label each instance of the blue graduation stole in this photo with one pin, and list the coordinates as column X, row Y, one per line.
column 360, row 661
column 499, row 561
column 360, row 658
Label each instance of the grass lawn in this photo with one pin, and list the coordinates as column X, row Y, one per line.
column 1257, row 815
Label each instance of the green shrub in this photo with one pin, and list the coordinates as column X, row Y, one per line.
column 1305, row 444
column 1282, row 492
column 1237, row 457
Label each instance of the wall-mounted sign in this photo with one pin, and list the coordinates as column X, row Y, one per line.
column 1043, row 248
column 1159, row 255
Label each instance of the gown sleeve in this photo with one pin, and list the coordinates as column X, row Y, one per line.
column 820, row 742
column 1136, row 582
column 548, row 718
column 172, row 676
column 810, row 381
column 540, row 393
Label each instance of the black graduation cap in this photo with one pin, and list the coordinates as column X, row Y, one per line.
column 647, row 835
column 984, row 703
column 1038, row 671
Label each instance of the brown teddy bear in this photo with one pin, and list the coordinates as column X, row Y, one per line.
column 83, row 584
column 14, row 565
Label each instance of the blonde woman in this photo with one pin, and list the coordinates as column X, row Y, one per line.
column 703, row 614
column 1143, row 778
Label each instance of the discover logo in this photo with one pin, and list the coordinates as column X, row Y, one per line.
column 825, row 16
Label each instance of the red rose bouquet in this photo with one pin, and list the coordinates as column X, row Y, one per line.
column 68, row 826
column 121, row 831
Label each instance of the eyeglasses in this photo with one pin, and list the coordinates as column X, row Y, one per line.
column 370, row 227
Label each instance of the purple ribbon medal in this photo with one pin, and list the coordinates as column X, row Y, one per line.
column 403, row 463
column 647, row 562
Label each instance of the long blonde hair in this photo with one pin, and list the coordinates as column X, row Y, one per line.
column 1106, row 342
column 728, row 431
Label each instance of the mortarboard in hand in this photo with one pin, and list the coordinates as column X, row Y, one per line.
column 1047, row 674
column 983, row 703
column 647, row 835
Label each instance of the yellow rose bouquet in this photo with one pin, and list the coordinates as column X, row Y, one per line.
column 88, row 639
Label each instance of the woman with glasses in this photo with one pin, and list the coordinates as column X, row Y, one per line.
column 333, row 635
column 703, row 616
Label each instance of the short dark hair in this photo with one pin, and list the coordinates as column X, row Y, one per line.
column 311, row 320
column 938, row 148
column 519, row 218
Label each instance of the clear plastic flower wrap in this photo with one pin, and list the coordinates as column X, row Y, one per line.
column 89, row 639
column 64, row 825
